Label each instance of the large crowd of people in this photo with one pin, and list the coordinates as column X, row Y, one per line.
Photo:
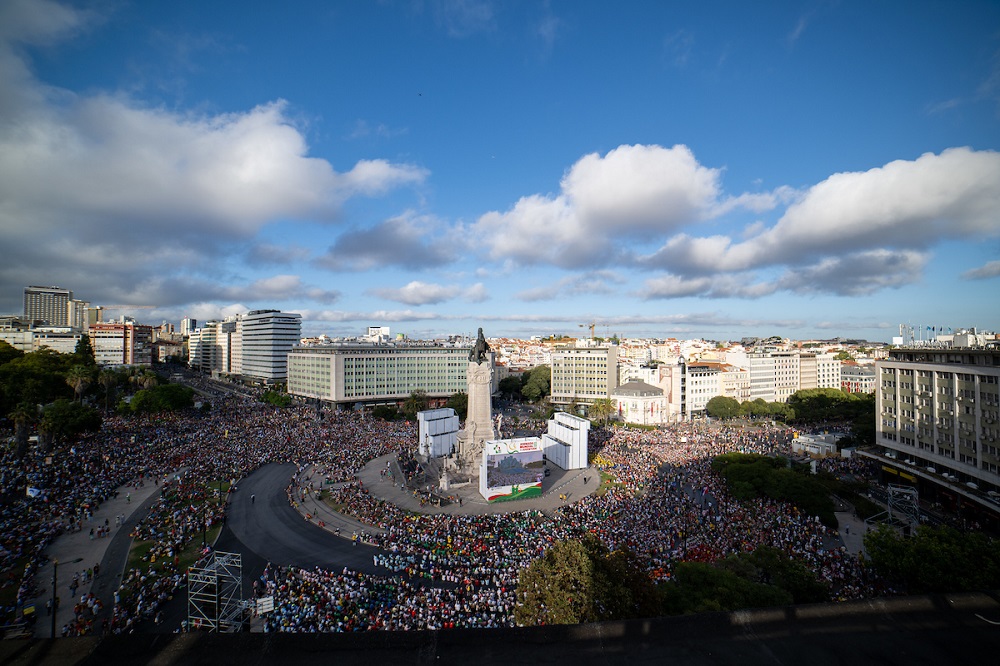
column 664, row 503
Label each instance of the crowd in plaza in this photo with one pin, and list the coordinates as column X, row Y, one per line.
column 665, row 504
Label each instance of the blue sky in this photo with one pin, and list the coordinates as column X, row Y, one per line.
column 803, row 169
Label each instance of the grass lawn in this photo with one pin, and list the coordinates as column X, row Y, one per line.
column 139, row 553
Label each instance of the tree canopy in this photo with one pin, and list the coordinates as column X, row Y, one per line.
column 749, row 476
column 415, row 402
column 580, row 581
column 935, row 559
column 765, row 577
column 602, row 409
column 722, row 407
column 64, row 420
column 164, row 398
column 460, row 403
column 536, row 383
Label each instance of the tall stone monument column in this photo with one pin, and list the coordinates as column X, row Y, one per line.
column 479, row 421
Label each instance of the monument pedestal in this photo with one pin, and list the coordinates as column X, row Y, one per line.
column 479, row 421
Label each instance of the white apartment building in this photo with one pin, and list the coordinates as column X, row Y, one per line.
column 253, row 345
column 582, row 375
column 268, row 336
column 787, row 375
column 827, row 371
column 763, row 383
column 938, row 423
column 857, row 378
column 735, row 383
column 356, row 373
column 704, row 382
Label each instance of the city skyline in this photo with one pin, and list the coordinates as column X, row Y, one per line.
column 661, row 171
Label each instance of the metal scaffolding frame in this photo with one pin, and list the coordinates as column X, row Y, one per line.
column 215, row 594
column 903, row 508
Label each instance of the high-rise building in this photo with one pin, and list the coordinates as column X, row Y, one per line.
column 253, row 345
column 938, row 423
column 268, row 336
column 47, row 304
column 188, row 325
column 76, row 314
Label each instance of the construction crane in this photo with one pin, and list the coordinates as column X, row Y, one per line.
column 102, row 308
column 591, row 326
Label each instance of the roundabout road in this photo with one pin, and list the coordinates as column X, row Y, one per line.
column 275, row 532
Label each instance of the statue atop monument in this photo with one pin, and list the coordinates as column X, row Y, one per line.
column 478, row 353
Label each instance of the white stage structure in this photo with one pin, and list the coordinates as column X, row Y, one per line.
column 565, row 443
column 438, row 432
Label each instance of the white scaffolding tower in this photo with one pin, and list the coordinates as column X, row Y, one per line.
column 215, row 594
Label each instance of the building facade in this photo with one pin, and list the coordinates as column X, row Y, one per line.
column 377, row 373
column 583, row 374
column 47, row 304
column 642, row 403
column 938, row 420
column 253, row 346
column 267, row 338
column 122, row 343
column 855, row 378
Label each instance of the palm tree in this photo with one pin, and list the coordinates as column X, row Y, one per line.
column 108, row 379
column 602, row 409
column 79, row 377
column 149, row 379
column 23, row 416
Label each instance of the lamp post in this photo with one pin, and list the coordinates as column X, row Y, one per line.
column 55, row 605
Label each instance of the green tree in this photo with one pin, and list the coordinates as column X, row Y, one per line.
column 750, row 475
column 460, row 403
column 108, row 379
column 79, row 377
column 844, row 356
column 84, row 352
column 722, row 407
column 536, row 383
column 64, row 421
column 771, row 566
column 755, row 408
column 416, row 402
column 37, row 378
column 510, row 387
column 165, row 398
column 276, row 398
column 23, row 416
column 935, row 560
column 697, row 587
column 8, row 352
column 602, row 409
column 580, row 580
column 385, row 413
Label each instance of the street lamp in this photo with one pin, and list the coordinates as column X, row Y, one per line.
column 55, row 605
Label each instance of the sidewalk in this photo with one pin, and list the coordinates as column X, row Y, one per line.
column 72, row 546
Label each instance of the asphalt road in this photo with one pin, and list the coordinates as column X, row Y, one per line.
column 273, row 531
column 270, row 530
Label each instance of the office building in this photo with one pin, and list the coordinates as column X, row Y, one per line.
column 581, row 375
column 49, row 305
column 124, row 343
column 938, row 423
column 357, row 373
column 252, row 346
